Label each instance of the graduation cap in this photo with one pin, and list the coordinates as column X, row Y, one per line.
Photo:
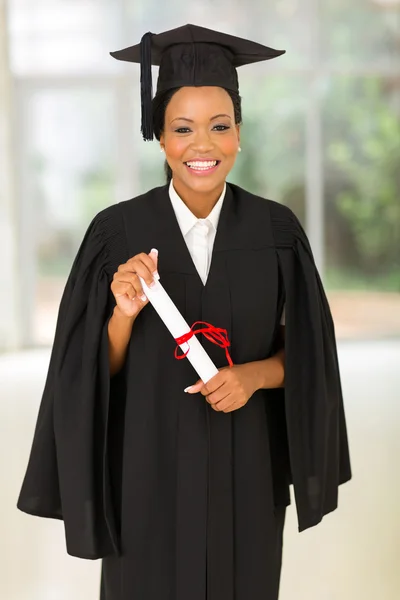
column 190, row 56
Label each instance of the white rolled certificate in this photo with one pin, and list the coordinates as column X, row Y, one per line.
column 178, row 327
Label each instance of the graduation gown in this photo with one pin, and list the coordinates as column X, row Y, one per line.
column 178, row 500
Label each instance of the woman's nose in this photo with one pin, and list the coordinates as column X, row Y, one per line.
column 202, row 141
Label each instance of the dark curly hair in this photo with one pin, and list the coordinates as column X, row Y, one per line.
column 159, row 106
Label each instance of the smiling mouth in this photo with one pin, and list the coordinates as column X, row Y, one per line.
column 202, row 166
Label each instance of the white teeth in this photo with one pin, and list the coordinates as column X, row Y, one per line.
column 202, row 165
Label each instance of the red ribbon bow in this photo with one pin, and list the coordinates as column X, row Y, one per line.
column 216, row 335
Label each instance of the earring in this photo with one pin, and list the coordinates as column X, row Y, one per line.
column 240, row 149
column 161, row 149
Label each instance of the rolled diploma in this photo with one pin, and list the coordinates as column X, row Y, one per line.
column 177, row 326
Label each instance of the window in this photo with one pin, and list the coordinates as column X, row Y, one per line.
column 321, row 134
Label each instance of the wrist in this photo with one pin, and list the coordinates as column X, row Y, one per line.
column 268, row 373
column 256, row 372
column 118, row 315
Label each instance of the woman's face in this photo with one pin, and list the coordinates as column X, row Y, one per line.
column 200, row 127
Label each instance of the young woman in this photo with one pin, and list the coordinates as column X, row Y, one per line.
column 181, row 487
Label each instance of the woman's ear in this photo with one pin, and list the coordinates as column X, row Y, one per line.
column 238, row 133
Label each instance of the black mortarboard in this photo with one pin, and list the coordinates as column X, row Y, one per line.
column 190, row 56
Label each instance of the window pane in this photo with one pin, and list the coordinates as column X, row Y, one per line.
column 71, row 171
column 272, row 161
column 360, row 33
column 61, row 36
column 362, row 210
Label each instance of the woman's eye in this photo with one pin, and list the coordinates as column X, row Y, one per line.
column 216, row 127
column 223, row 127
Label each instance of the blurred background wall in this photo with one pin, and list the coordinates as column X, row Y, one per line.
column 321, row 134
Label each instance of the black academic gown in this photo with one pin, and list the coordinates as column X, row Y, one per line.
column 180, row 501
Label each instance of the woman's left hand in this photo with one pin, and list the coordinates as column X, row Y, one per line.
column 229, row 389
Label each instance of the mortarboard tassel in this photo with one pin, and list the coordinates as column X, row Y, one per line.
column 146, row 86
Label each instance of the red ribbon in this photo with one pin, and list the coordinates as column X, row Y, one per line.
column 216, row 335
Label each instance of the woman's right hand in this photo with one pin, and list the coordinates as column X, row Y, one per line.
column 126, row 286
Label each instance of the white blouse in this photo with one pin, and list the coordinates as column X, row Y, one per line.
column 199, row 234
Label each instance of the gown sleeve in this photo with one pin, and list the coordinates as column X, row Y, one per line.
column 315, row 419
column 67, row 476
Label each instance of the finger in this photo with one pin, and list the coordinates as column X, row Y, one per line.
column 154, row 256
column 232, row 407
column 220, row 393
column 129, row 266
column 121, row 288
column 219, row 397
column 125, row 277
column 225, row 403
column 205, row 390
column 195, row 388
column 150, row 261
column 143, row 273
column 144, row 266
column 214, row 383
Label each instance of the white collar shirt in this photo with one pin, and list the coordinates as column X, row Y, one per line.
column 199, row 234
